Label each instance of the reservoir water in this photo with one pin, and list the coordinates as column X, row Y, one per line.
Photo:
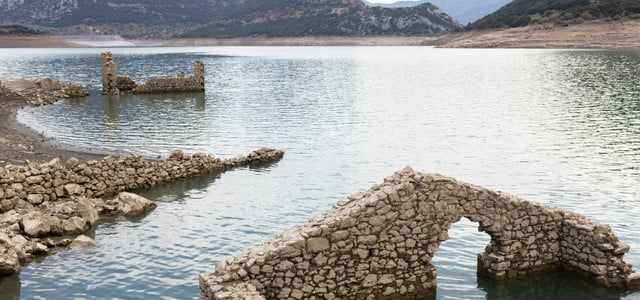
column 556, row 126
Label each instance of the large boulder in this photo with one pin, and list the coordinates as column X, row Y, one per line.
column 74, row 225
column 9, row 262
column 35, row 224
column 9, row 218
column 20, row 245
column 83, row 241
column 88, row 210
column 132, row 205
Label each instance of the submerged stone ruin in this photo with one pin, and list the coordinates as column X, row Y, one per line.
column 114, row 84
column 379, row 244
column 42, row 206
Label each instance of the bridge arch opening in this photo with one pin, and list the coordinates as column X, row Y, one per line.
column 456, row 261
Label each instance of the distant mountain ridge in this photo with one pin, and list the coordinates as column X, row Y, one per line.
column 279, row 18
column 168, row 18
column 397, row 4
column 464, row 11
column 131, row 18
column 525, row 12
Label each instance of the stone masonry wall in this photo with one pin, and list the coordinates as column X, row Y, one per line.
column 378, row 244
column 43, row 206
column 38, row 183
column 113, row 84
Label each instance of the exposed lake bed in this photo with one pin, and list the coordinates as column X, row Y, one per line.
column 559, row 127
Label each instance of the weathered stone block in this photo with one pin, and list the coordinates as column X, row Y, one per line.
column 370, row 280
column 35, row 198
column 317, row 244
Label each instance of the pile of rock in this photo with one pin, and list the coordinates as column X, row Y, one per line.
column 30, row 230
column 42, row 91
column 49, row 91
column 378, row 244
column 43, row 206
column 74, row 90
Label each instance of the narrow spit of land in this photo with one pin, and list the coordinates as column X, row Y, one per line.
column 19, row 143
column 34, row 41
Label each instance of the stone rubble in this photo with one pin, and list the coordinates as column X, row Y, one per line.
column 378, row 244
column 114, row 84
column 44, row 206
column 41, row 91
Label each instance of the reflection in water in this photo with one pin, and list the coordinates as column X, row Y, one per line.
column 179, row 190
column 10, row 287
column 557, row 285
column 559, row 127
column 177, row 101
column 111, row 108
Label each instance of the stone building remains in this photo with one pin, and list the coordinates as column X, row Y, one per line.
column 379, row 244
column 114, row 84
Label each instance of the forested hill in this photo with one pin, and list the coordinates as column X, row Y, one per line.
column 278, row 18
column 525, row 12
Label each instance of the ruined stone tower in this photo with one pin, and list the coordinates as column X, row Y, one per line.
column 109, row 75
column 198, row 67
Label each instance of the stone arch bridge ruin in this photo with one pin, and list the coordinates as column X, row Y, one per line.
column 378, row 244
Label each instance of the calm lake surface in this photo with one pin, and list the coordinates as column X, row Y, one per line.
column 558, row 127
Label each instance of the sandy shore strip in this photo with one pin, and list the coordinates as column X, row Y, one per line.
column 312, row 41
column 598, row 35
column 34, row 41
column 595, row 35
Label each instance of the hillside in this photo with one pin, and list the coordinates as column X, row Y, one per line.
column 164, row 19
column 278, row 18
column 464, row 11
column 526, row 12
column 595, row 35
column 17, row 30
column 130, row 18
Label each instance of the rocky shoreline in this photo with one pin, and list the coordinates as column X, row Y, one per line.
column 19, row 143
column 46, row 207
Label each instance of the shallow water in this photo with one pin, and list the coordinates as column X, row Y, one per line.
column 559, row 127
